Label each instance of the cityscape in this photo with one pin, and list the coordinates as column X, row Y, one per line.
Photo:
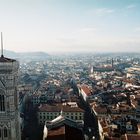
column 88, row 96
column 70, row 70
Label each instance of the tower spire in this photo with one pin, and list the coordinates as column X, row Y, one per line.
column 1, row 45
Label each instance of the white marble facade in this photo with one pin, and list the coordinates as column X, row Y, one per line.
column 9, row 110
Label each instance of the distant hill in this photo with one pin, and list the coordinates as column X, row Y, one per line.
column 33, row 55
column 10, row 54
column 26, row 55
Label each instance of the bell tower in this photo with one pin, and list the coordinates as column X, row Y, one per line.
column 9, row 110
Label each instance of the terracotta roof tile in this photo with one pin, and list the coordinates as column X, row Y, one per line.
column 86, row 89
column 100, row 110
column 58, row 108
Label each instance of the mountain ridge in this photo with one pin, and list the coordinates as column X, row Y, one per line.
column 25, row 55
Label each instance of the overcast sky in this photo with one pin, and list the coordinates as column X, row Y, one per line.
column 70, row 25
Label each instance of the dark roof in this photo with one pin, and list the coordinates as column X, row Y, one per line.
column 65, row 132
column 64, row 129
column 4, row 59
column 57, row 131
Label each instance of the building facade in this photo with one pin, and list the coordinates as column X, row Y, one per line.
column 49, row 112
column 9, row 111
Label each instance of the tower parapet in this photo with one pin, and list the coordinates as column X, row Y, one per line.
column 8, row 65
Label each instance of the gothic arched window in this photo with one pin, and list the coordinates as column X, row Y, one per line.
column 5, row 132
column 0, row 133
column 2, row 103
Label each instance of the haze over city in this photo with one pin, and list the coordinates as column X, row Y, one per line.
column 70, row 70
column 71, row 25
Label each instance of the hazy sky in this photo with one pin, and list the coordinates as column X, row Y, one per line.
column 70, row 25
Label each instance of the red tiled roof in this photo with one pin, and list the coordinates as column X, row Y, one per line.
column 58, row 108
column 100, row 110
column 86, row 89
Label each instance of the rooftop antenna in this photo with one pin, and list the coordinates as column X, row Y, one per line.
column 1, row 45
